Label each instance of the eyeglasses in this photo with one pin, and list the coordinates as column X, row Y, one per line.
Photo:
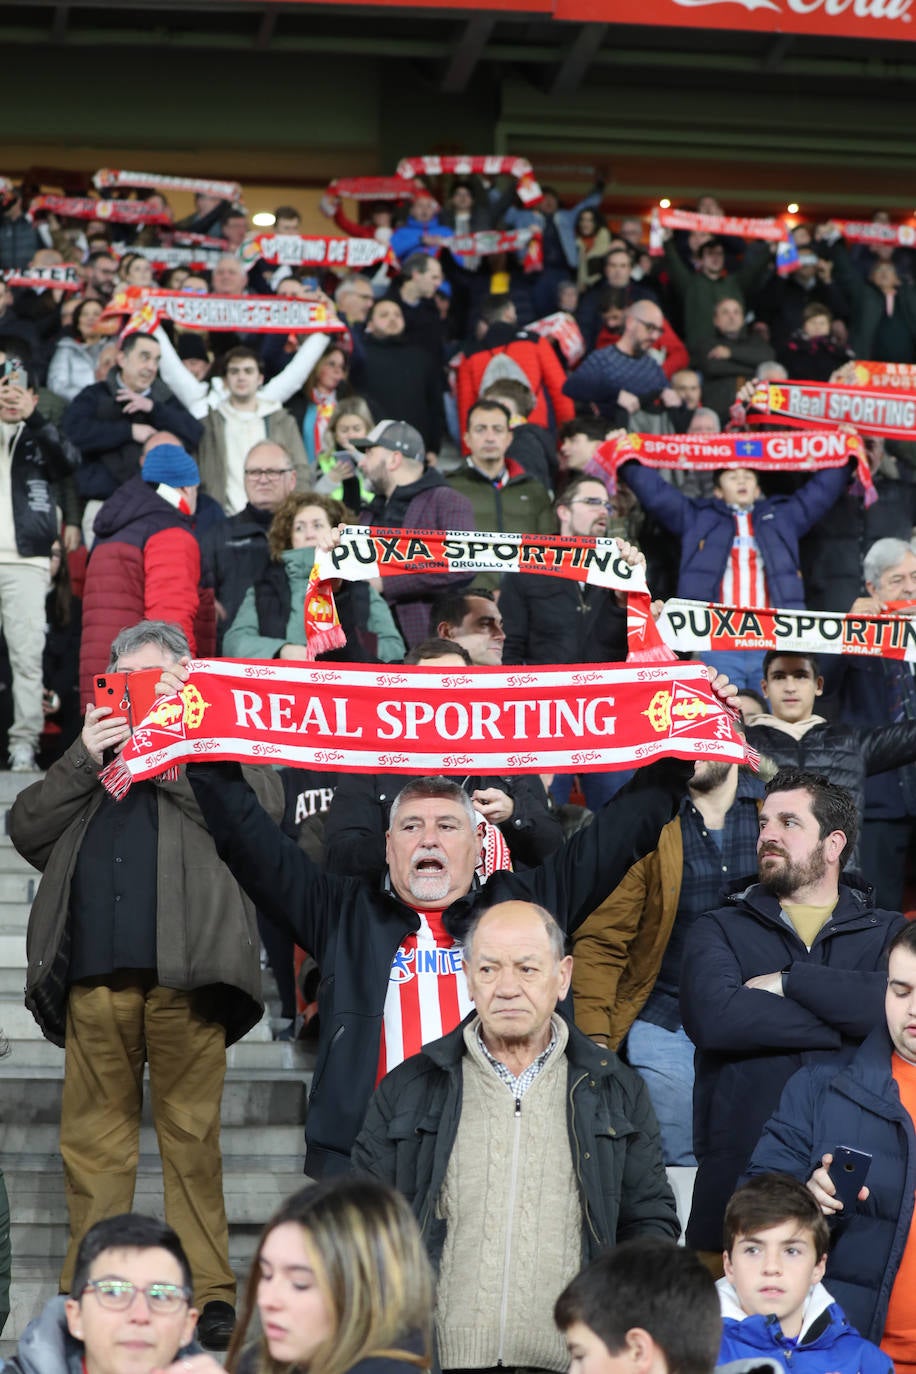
column 593, row 501
column 117, row 1295
column 652, row 328
column 266, row 474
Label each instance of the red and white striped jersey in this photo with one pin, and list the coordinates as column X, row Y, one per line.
column 427, row 993
column 744, row 582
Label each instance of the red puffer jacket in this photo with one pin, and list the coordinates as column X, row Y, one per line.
column 537, row 359
column 145, row 565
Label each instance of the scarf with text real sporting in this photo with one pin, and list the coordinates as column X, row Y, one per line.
column 811, row 405
column 314, row 250
column 114, row 176
column 702, row 627
column 770, row 452
column 365, row 552
column 491, row 165
column 221, row 314
column 422, row 720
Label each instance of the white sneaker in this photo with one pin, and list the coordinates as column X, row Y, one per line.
column 22, row 759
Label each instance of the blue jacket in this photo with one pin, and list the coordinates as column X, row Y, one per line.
column 750, row 1042
column 706, row 528
column 408, row 238
column 859, row 1106
column 828, row 1342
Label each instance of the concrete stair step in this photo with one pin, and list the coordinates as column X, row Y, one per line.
column 19, row 886
column 17, row 1140
column 267, row 1099
column 251, row 1193
column 246, row 1054
column 11, row 784
column 11, row 861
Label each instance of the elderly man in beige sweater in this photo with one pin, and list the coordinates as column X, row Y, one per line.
column 524, row 1148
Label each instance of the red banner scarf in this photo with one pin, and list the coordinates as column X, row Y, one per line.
column 811, row 404
column 373, row 188
column 299, row 250
column 775, row 452
column 893, row 376
column 365, row 552
column 563, row 330
column 698, row 627
column 112, row 176
column 224, row 314
column 485, row 243
column 738, row 226
column 59, row 278
column 182, row 236
column 873, row 233
column 528, row 190
column 421, row 720
column 85, row 207
column 163, row 258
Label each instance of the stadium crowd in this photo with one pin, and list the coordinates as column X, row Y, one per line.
column 529, row 995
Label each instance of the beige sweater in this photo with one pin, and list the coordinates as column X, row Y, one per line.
column 514, row 1218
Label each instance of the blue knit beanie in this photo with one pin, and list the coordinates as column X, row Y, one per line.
column 170, row 464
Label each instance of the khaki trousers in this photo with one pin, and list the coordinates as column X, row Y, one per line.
column 23, row 589
column 112, row 1028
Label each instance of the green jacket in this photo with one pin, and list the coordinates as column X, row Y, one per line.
column 700, row 294
column 521, row 506
column 867, row 303
column 244, row 638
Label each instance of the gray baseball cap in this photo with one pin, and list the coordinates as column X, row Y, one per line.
column 396, row 435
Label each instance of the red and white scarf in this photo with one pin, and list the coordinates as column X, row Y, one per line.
column 491, row 165
column 59, row 278
column 86, row 207
column 484, row 243
column 699, row 627
column 421, row 720
column 892, row 376
column 225, row 314
column 810, row 405
column 876, row 234
column 312, row 250
column 565, row 332
column 764, row 452
column 373, row 188
column 114, row 176
column 737, row 226
column 368, row 552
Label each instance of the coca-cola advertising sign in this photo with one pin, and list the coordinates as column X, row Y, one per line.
column 836, row 18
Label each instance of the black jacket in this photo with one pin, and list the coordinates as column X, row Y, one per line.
column 750, row 1042
column 40, row 457
column 97, row 424
column 358, row 820
column 847, row 754
column 412, row 1123
column 550, row 620
column 353, row 930
column 233, row 554
column 400, row 378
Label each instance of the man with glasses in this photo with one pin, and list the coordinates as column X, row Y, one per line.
column 554, row 620
column 625, row 382
column 129, row 1311
column 234, row 552
column 244, row 416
